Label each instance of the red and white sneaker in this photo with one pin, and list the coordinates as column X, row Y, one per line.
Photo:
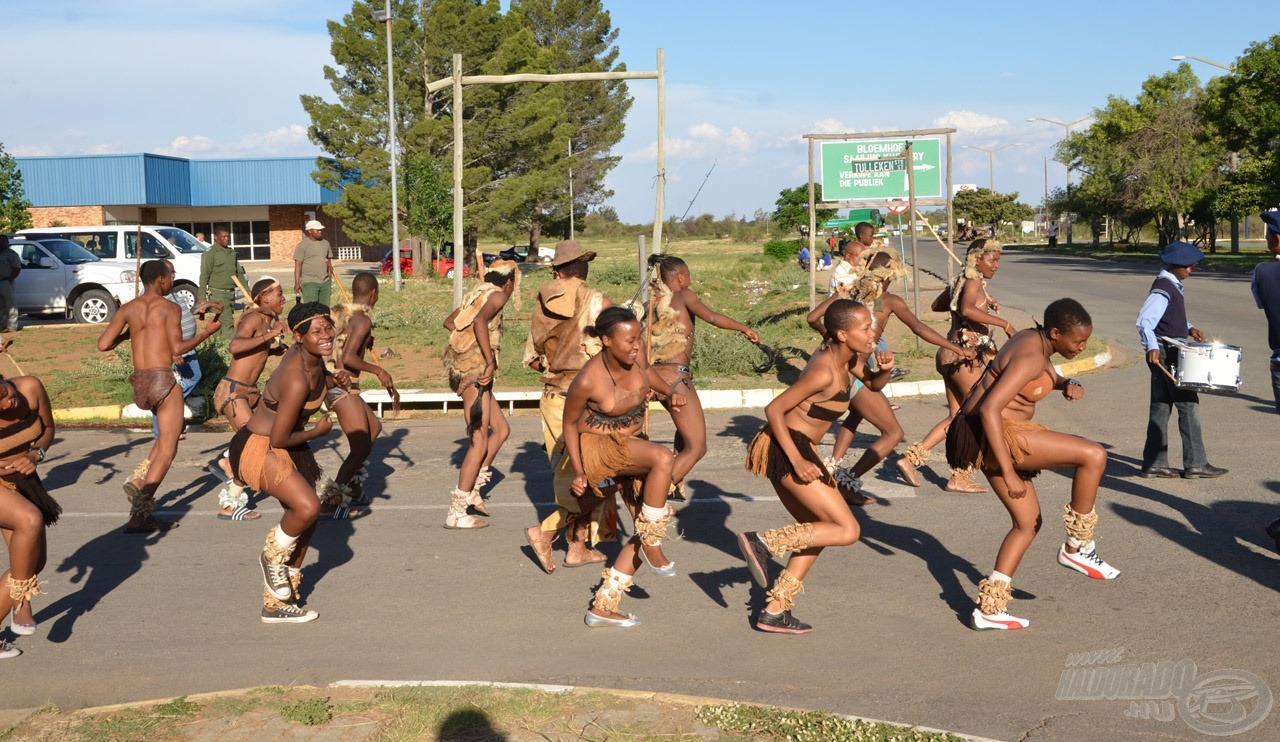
column 1002, row 621
column 1087, row 561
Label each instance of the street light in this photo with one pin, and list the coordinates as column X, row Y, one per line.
column 1181, row 57
column 1066, row 131
column 384, row 16
column 991, row 160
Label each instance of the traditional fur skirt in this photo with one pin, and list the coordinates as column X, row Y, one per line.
column 30, row 487
column 262, row 467
column 968, row 447
column 766, row 459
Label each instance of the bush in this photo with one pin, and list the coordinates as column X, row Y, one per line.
column 311, row 712
column 782, row 249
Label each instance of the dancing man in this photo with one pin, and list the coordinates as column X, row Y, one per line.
column 672, row 311
column 785, row 452
column 558, row 347
column 475, row 336
column 153, row 326
column 994, row 432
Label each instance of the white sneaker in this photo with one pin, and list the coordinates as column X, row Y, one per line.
column 1087, row 561
column 8, row 651
column 1001, row 620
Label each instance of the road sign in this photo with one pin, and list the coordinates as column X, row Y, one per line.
column 898, row 206
column 852, row 172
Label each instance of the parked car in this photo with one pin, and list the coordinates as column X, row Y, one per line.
column 519, row 253
column 440, row 266
column 60, row 277
column 120, row 243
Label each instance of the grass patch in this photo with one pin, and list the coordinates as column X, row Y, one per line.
column 761, row 722
column 469, row 712
column 308, row 712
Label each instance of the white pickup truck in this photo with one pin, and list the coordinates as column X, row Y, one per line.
column 60, row 277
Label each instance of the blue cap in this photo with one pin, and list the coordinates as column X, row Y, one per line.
column 1180, row 253
column 1272, row 220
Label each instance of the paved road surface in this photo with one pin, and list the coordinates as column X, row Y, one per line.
column 126, row 617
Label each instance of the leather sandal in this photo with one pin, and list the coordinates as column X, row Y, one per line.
column 536, row 539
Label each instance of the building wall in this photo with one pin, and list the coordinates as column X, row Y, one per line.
column 71, row 216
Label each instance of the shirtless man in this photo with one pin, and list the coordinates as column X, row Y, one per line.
column 672, row 312
column 356, row 419
column 152, row 324
column 259, row 334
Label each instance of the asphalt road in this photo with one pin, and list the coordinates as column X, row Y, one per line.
column 128, row 617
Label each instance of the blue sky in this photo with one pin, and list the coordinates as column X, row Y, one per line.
column 745, row 80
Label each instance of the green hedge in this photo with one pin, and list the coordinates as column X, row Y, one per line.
column 782, row 249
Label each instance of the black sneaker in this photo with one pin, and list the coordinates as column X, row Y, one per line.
column 1273, row 530
column 781, row 623
column 287, row 613
column 757, row 556
column 276, row 578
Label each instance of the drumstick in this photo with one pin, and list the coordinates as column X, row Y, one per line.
column 4, row 348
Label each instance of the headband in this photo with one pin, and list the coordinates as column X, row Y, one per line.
column 302, row 322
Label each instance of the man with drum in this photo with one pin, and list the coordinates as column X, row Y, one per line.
column 1164, row 315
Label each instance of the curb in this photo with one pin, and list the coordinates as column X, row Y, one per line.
column 712, row 399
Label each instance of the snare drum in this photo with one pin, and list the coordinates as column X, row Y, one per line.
column 1208, row 367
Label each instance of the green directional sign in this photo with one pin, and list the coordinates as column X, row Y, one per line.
column 851, row 171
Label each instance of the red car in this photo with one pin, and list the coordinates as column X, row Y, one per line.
column 440, row 266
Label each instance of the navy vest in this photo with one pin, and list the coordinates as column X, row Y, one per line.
column 1266, row 278
column 1174, row 321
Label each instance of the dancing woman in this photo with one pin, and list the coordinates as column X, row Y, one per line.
column 475, row 336
column 973, row 313
column 26, row 509
column 785, row 451
column 871, row 289
column 271, row 454
column 673, row 311
column 994, row 432
column 603, row 415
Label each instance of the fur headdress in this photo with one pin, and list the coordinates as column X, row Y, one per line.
column 976, row 250
column 891, row 267
column 508, row 268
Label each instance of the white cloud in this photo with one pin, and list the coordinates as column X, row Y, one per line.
column 286, row 140
column 972, row 122
column 31, row 150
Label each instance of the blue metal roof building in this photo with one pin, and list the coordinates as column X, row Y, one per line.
column 264, row 200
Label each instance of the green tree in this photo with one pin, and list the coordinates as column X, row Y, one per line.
column 983, row 206
column 1242, row 112
column 792, row 208
column 15, row 211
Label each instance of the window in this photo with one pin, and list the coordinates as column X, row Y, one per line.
column 151, row 247
column 250, row 239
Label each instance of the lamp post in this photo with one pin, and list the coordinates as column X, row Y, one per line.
column 1066, row 131
column 991, row 160
column 1230, row 68
column 1181, row 57
column 384, row 16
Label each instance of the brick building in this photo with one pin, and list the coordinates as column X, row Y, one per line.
column 264, row 201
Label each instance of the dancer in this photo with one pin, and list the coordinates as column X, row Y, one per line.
column 353, row 337
column 871, row 289
column 475, row 335
column 259, row 334
column 270, row 454
column 152, row 324
column 26, row 508
column 785, row 452
column 973, row 313
column 558, row 347
column 603, row 416
column 994, row 433
column 671, row 313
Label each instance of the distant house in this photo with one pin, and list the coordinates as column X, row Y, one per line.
column 265, row 201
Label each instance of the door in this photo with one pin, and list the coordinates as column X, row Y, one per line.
column 42, row 284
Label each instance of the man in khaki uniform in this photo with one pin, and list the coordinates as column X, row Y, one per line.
column 219, row 268
column 558, row 347
column 312, row 268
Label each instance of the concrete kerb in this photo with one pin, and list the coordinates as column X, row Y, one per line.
column 15, row 717
column 712, row 399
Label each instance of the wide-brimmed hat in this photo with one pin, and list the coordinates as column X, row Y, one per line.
column 567, row 251
column 1272, row 220
column 1181, row 254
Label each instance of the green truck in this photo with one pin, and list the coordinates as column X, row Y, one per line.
column 839, row 224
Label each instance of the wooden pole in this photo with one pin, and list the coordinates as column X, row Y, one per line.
column 813, row 227
column 137, row 262
column 661, row 183
column 951, row 227
column 458, row 265
column 911, row 208
column 559, row 77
